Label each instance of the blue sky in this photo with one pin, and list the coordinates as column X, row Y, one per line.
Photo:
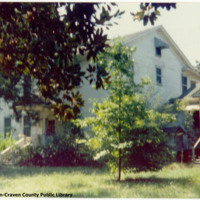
column 182, row 23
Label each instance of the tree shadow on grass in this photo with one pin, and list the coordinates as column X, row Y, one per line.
column 100, row 193
column 155, row 181
column 9, row 171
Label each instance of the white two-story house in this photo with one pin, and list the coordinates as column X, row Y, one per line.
column 157, row 56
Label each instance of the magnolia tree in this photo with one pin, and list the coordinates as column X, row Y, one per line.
column 123, row 129
column 37, row 40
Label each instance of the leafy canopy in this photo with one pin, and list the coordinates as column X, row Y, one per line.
column 36, row 40
column 150, row 11
column 124, row 130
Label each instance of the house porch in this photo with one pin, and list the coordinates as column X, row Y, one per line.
column 40, row 130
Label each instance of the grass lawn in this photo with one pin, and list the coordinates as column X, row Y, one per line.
column 174, row 181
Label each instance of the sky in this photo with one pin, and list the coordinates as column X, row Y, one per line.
column 182, row 24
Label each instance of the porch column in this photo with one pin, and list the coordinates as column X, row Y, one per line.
column 43, row 122
column 22, row 124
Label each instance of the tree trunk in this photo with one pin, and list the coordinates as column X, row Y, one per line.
column 120, row 163
column 120, row 132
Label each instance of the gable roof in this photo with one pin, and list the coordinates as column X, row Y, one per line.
column 196, row 94
column 161, row 29
column 174, row 129
column 192, row 95
column 192, row 92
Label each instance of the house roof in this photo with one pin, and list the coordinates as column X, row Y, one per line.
column 193, row 97
column 192, row 92
column 161, row 29
column 188, row 92
column 174, row 129
column 196, row 94
column 35, row 107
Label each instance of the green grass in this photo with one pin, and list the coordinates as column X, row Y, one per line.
column 174, row 181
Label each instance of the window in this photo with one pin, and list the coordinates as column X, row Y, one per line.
column 27, row 126
column 50, row 127
column 7, row 126
column 158, row 51
column 196, row 119
column 159, row 46
column 184, row 83
column 158, row 75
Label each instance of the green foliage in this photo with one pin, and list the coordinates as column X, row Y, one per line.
column 6, row 142
column 122, row 125
column 178, row 181
column 197, row 66
column 183, row 117
column 37, row 40
column 150, row 11
column 60, row 150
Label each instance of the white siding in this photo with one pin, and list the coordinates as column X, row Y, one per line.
column 5, row 111
column 89, row 92
column 145, row 64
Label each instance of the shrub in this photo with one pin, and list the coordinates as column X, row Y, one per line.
column 29, row 156
column 60, row 150
column 6, row 142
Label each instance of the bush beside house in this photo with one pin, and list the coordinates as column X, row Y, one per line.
column 60, row 150
column 6, row 142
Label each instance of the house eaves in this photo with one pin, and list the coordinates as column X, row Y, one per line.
column 193, row 72
column 191, row 92
column 131, row 37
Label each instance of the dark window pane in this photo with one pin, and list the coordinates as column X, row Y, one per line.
column 158, row 51
column 184, row 83
column 196, row 119
column 158, row 79
column 27, row 126
column 158, row 71
column 50, row 127
column 184, row 80
column 158, row 75
column 7, row 126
